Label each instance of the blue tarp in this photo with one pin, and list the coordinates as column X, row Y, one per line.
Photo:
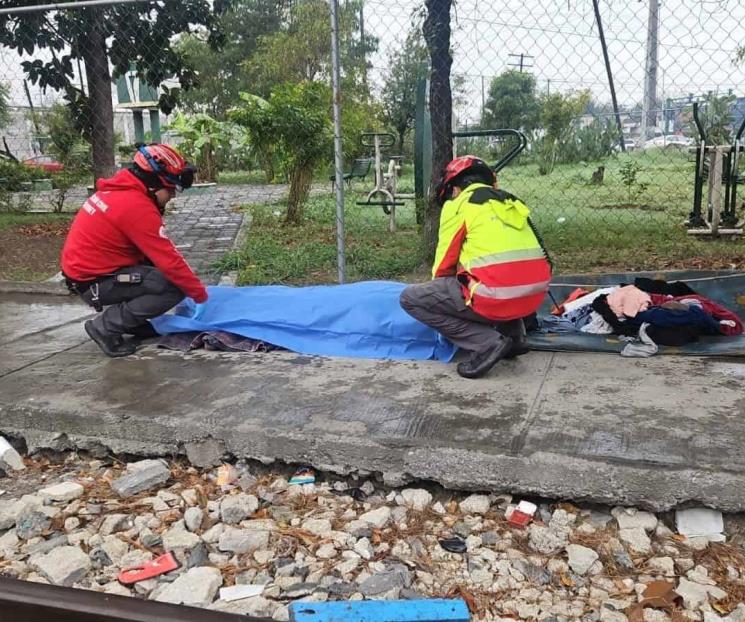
column 358, row 320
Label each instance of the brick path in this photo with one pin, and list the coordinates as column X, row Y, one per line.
column 204, row 226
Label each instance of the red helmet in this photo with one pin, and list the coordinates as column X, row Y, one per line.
column 457, row 167
column 166, row 164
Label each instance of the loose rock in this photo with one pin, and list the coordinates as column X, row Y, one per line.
column 65, row 491
column 581, row 558
column 475, row 504
column 196, row 588
column 236, row 508
column 64, row 565
column 416, row 498
column 636, row 539
column 243, row 540
column 141, row 476
column 377, row 518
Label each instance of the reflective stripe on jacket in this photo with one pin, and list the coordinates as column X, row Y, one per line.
column 486, row 240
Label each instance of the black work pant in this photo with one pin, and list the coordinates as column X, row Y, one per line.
column 128, row 306
column 440, row 305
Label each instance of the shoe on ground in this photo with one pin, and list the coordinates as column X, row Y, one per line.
column 518, row 349
column 144, row 331
column 111, row 345
column 481, row 362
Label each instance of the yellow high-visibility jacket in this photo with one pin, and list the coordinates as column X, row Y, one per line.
column 486, row 241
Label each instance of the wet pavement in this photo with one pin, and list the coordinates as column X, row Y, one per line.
column 646, row 432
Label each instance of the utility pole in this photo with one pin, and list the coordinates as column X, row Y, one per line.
column 649, row 105
column 521, row 63
column 483, row 100
column 611, row 85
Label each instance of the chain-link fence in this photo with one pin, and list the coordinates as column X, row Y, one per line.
column 603, row 92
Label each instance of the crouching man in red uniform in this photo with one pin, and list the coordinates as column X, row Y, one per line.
column 118, row 256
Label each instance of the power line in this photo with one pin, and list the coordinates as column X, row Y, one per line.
column 522, row 62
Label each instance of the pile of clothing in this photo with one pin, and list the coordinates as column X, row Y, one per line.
column 646, row 314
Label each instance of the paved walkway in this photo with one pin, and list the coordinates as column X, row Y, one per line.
column 204, row 224
column 645, row 432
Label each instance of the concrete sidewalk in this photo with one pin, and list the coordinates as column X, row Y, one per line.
column 647, row 432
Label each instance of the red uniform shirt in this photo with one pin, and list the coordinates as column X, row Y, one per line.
column 120, row 226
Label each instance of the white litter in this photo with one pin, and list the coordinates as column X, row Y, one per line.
column 9, row 457
column 700, row 522
column 239, row 592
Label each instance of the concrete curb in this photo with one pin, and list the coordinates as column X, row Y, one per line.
column 31, row 287
column 229, row 279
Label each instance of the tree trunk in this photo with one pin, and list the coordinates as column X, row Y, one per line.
column 437, row 35
column 301, row 178
column 101, row 107
column 207, row 165
column 401, row 138
column 266, row 160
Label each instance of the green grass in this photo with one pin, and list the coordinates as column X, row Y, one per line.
column 231, row 178
column 278, row 253
column 591, row 228
column 587, row 228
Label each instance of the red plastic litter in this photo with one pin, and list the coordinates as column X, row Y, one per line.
column 522, row 514
column 519, row 519
column 148, row 570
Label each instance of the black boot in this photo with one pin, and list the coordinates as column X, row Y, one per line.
column 515, row 330
column 481, row 362
column 144, row 331
column 111, row 345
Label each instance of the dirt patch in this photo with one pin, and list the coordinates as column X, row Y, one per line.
column 30, row 252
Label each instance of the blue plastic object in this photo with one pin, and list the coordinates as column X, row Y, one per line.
column 435, row 610
column 357, row 320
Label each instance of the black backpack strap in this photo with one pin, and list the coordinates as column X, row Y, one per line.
column 482, row 195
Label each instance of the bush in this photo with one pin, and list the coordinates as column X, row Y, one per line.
column 14, row 174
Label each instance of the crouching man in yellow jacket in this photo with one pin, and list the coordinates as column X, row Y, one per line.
column 490, row 269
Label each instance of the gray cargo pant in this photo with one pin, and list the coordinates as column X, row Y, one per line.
column 440, row 305
column 130, row 305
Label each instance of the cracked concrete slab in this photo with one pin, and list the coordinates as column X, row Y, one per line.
column 647, row 432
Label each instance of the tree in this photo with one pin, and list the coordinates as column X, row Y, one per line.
column 512, row 102
column 301, row 49
column 399, row 93
column 716, row 117
column 222, row 74
column 558, row 110
column 117, row 34
column 437, row 35
column 203, row 140
column 296, row 118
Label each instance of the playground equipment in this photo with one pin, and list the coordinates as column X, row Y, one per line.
column 723, row 165
column 385, row 193
column 514, row 151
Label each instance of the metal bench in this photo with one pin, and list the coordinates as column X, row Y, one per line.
column 360, row 169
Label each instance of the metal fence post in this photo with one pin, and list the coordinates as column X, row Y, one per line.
column 338, row 155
